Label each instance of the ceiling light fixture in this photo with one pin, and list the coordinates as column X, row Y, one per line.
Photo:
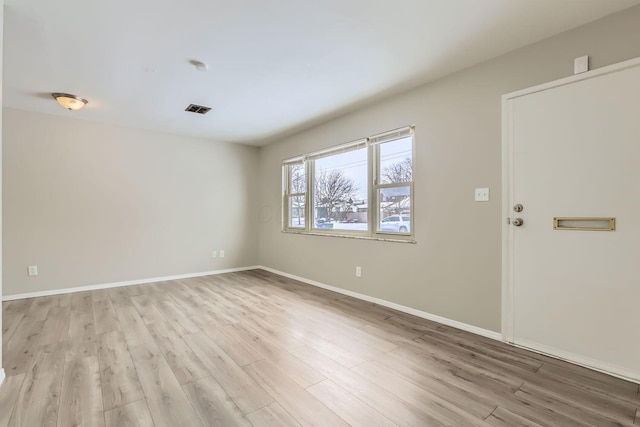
column 70, row 102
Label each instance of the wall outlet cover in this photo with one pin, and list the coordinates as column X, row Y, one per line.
column 482, row 195
column 581, row 64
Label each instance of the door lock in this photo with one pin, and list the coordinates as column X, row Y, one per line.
column 517, row 222
column 518, row 208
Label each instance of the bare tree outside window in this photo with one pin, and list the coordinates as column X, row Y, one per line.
column 334, row 188
column 298, row 179
column 398, row 172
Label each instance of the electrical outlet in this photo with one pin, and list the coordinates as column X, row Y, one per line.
column 32, row 270
column 221, row 254
column 482, row 195
column 214, row 254
column 358, row 272
column 581, row 64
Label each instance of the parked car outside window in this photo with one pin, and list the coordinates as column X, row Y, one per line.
column 396, row 224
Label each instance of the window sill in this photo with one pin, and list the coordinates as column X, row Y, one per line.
column 345, row 236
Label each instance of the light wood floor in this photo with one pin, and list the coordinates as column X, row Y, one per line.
column 254, row 348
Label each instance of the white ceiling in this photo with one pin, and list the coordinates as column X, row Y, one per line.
column 275, row 66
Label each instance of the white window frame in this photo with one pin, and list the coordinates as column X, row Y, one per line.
column 289, row 195
column 372, row 145
column 376, row 142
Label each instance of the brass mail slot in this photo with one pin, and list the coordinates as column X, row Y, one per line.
column 584, row 224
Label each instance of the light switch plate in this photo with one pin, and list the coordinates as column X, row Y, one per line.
column 32, row 270
column 482, row 195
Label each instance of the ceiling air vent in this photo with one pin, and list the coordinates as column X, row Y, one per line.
column 198, row 109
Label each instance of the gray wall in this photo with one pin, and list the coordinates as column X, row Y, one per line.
column 454, row 269
column 90, row 203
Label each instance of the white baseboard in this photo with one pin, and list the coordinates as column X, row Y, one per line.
column 118, row 284
column 576, row 359
column 423, row 314
column 2, row 377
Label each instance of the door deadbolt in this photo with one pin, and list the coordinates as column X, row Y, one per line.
column 518, row 208
column 518, row 222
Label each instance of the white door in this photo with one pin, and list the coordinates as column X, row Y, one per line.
column 572, row 149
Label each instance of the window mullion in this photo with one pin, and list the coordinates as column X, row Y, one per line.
column 311, row 170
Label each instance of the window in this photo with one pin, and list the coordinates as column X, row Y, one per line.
column 296, row 190
column 394, row 181
column 360, row 189
column 339, row 185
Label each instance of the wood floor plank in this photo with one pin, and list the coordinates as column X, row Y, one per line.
column 133, row 290
column 213, row 405
column 99, row 295
column 297, row 401
column 422, row 399
column 105, row 316
column 38, row 309
column 244, row 391
column 305, row 324
column 397, row 410
column 10, row 324
column 315, row 338
column 448, row 381
column 434, row 359
column 503, row 418
column 502, row 353
column 119, row 297
column 591, row 380
column 134, row 330
column 179, row 320
column 147, row 310
column 271, row 331
column 242, row 351
column 20, row 306
column 38, row 400
column 186, row 366
column 364, row 350
column 62, row 300
column 81, row 396
column 118, row 376
column 9, row 392
column 135, row 414
column 82, row 330
column 347, row 406
column 584, row 415
column 296, row 369
column 21, row 347
column 168, row 404
column 56, row 326
column 603, row 405
column 273, row 415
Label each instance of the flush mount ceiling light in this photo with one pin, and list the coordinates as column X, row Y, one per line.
column 70, row 102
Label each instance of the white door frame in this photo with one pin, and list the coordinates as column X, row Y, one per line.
column 508, row 283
